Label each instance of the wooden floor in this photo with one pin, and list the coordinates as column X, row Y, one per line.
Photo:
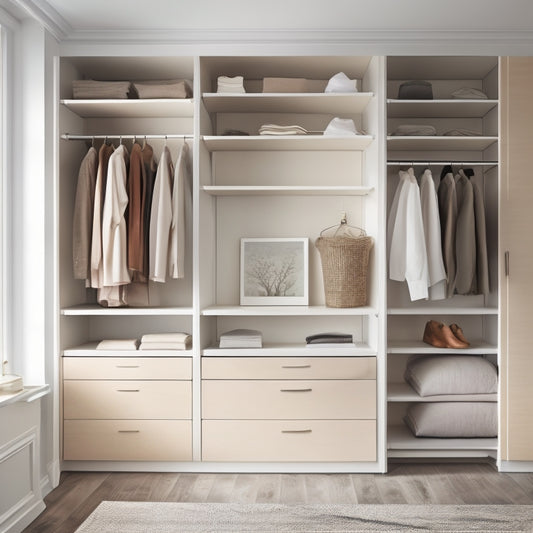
column 459, row 483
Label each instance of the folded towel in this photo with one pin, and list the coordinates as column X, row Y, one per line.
column 241, row 338
column 469, row 93
column 164, row 346
column 93, row 89
column 117, row 344
column 340, row 83
column 226, row 84
column 162, row 89
column 415, row 129
column 275, row 129
column 166, row 337
column 462, row 132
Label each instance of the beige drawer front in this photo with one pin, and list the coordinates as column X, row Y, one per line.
column 127, row 440
column 127, row 368
column 127, row 399
column 323, row 399
column 290, row 440
column 289, row 367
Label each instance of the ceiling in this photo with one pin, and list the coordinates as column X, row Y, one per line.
column 107, row 15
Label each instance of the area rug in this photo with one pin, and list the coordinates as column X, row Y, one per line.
column 160, row 517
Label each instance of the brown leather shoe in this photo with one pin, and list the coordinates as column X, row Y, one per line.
column 441, row 336
column 458, row 332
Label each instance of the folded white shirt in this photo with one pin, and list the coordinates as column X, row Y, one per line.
column 340, row 83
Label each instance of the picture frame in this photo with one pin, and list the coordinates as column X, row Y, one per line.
column 274, row 271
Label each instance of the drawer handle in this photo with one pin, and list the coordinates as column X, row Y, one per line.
column 128, row 390
column 296, row 430
column 129, row 431
column 296, row 366
column 127, row 366
column 296, row 390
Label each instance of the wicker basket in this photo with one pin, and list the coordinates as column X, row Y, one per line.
column 345, row 269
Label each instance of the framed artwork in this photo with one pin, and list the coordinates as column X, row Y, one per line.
column 274, row 271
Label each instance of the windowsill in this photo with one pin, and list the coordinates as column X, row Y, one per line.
column 28, row 394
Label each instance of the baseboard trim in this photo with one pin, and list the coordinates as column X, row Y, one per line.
column 515, row 466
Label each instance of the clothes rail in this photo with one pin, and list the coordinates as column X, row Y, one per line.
column 440, row 163
column 71, row 137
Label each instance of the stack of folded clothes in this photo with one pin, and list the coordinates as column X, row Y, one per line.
column 92, row 89
column 118, row 344
column 162, row 89
column 442, row 380
column 415, row 129
column 340, row 340
column 226, row 84
column 166, row 341
column 241, row 338
column 275, row 129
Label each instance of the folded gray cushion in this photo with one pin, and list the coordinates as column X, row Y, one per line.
column 431, row 375
column 453, row 419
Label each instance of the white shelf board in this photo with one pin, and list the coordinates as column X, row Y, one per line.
column 91, row 310
column 403, row 392
column 282, row 310
column 438, row 142
column 110, row 108
column 89, row 350
column 437, row 310
column 287, row 190
column 453, row 108
column 416, row 347
column 291, row 350
column 401, row 438
column 325, row 103
column 27, row 394
column 216, row 143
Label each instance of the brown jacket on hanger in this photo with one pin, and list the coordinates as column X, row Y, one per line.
column 136, row 195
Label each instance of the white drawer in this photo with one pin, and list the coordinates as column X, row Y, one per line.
column 127, row 399
column 127, row 368
column 289, row 367
column 127, row 440
column 319, row 399
column 290, row 440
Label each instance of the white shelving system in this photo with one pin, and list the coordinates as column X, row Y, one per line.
column 478, row 315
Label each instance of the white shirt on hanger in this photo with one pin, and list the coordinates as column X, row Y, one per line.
column 161, row 218
column 432, row 232
column 408, row 257
column 114, row 240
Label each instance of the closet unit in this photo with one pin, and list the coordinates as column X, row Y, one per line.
column 285, row 402
column 465, row 136
column 122, row 404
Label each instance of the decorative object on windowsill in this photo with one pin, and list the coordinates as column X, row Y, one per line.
column 442, row 336
column 274, row 271
column 345, row 255
column 9, row 383
column 241, row 338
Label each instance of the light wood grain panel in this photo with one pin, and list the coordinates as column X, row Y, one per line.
column 324, row 399
column 289, row 368
column 127, row 440
column 127, row 399
column 127, row 368
column 289, row 440
column 517, row 287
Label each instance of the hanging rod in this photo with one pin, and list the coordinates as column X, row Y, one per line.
column 433, row 163
column 71, row 137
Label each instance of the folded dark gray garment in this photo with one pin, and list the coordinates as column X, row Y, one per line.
column 416, row 90
column 320, row 338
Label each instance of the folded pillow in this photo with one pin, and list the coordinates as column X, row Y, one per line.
column 453, row 419
column 432, row 375
column 162, row 89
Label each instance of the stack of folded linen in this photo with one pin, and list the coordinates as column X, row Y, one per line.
column 415, row 129
column 332, row 340
column 226, row 84
column 275, row 129
column 117, row 344
column 162, row 89
column 241, row 338
column 92, row 89
column 166, row 341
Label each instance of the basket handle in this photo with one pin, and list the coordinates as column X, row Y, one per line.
column 343, row 226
